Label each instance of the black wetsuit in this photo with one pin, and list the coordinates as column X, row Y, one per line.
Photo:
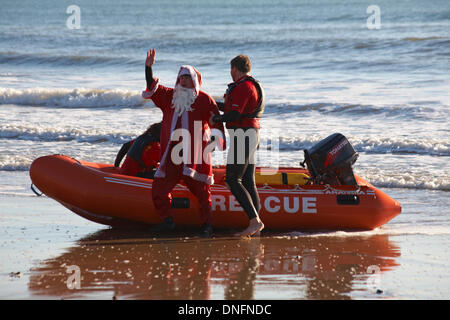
column 149, row 76
column 240, row 170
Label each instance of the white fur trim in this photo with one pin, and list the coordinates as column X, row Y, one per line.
column 193, row 74
column 159, row 172
column 148, row 94
column 198, row 176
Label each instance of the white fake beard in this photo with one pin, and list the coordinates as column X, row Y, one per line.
column 182, row 99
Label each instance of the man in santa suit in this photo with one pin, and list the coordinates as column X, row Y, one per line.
column 185, row 141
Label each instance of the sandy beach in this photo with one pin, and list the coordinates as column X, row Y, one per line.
column 43, row 246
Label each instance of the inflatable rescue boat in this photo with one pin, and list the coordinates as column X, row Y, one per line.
column 325, row 195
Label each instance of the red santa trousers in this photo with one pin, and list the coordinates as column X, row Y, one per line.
column 163, row 186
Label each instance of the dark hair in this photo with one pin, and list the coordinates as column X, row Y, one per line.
column 154, row 130
column 242, row 63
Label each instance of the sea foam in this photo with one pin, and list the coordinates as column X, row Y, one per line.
column 71, row 98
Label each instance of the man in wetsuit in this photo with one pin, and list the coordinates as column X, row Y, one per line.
column 243, row 106
column 142, row 154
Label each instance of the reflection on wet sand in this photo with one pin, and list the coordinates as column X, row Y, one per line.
column 126, row 265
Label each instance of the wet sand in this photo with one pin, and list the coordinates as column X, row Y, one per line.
column 47, row 252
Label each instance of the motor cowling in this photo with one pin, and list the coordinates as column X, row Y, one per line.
column 330, row 161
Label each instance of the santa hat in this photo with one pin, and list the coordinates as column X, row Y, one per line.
column 196, row 76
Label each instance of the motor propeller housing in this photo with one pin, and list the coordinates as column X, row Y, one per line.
column 330, row 161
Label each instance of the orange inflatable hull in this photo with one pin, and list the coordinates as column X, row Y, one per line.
column 99, row 193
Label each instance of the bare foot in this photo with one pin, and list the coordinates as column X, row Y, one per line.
column 257, row 234
column 255, row 226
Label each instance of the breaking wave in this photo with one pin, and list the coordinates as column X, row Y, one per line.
column 71, row 98
column 371, row 145
column 122, row 98
column 434, row 147
column 61, row 134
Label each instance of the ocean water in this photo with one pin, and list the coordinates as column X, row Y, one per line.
column 324, row 69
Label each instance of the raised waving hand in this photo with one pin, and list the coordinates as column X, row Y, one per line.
column 150, row 58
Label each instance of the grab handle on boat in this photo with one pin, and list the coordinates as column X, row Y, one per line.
column 34, row 190
column 350, row 199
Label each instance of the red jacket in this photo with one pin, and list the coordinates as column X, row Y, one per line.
column 243, row 99
column 197, row 163
column 150, row 157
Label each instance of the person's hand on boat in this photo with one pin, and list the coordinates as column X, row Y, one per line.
column 150, row 58
column 214, row 118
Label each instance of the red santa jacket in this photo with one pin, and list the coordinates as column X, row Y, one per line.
column 196, row 153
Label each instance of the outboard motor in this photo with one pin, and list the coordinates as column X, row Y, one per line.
column 330, row 161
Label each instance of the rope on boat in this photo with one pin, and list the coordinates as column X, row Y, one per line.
column 34, row 190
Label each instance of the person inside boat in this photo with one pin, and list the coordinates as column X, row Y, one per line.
column 243, row 106
column 143, row 154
